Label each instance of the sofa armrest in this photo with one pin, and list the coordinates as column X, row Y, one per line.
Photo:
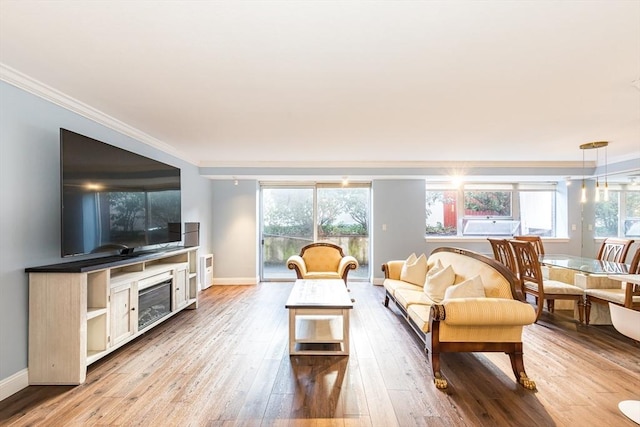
column 483, row 312
column 295, row 262
column 392, row 269
column 347, row 262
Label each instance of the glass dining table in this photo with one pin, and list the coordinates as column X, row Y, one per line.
column 584, row 265
column 586, row 273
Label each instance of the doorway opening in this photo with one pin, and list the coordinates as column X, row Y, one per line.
column 294, row 215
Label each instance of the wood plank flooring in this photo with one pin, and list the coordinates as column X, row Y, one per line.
column 227, row 364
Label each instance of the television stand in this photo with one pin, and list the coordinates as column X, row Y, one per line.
column 81, row 311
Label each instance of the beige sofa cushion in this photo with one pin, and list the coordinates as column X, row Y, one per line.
column 407, row 297
column 470, row 288
column 419, row 314
column 392, row 285
column 439, row 278
column 414, row 269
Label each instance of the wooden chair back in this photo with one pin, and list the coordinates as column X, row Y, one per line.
column 634, row 267
column 527, row 261
column 530, row 271
column 503, row 253
column 614, row 249
column 535, row 240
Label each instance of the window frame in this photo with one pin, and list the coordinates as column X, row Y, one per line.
column 623, row 216
column 462, row 218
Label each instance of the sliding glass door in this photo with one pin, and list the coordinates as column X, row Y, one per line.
column 286, row 226
column 293, row 216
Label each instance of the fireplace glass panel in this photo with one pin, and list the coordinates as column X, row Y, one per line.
column 154, row 303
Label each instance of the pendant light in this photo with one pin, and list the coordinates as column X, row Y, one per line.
column 590, row 146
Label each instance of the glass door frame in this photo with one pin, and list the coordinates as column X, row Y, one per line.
column 315, row 186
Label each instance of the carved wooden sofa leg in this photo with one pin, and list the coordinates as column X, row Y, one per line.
column 517, row 365
column 432, row 345
column 438, row 380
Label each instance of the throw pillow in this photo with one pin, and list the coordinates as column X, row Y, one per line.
column 435, row 268
column 470, row 288
column 414, row 270
column 438, row 280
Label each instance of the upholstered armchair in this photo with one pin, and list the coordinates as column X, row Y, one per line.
column 322, row 261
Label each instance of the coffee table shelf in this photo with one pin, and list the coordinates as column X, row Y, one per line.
column 319, row 318
column 319, row 328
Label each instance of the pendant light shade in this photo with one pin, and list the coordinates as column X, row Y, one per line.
column 590, row 146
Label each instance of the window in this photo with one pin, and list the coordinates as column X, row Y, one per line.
column 441, row 213
column 538, row 210
column 490, row 209
column 293, row 215
column 632, row 212
column 620, row 215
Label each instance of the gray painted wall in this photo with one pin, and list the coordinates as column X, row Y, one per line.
column 400, row 206
column 397, row 203
column 29, row 208
column 234, row 231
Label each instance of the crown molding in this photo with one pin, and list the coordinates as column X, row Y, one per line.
column 41, row 90
column 401, row 164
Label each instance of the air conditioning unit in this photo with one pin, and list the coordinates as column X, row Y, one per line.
column 206, row 271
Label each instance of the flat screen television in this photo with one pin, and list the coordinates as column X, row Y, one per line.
column 115, row 200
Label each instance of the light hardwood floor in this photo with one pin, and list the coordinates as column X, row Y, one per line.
column 227, row 364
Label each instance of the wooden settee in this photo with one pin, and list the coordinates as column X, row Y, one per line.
column 492, row 322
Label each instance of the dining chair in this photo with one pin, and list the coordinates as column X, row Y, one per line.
column 536, row 240
column 626, row 322
column 533, row 283
column 623, row 294
column 614, row 249
column 503, row 253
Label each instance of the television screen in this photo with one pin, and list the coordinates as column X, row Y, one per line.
column 113, row 199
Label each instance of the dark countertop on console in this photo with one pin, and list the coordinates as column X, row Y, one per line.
column 86, row 265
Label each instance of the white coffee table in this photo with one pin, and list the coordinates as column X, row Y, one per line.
column 319, row 317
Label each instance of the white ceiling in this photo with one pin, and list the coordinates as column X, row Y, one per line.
column 235, row 83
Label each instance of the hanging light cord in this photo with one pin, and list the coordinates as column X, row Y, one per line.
column 606, row 182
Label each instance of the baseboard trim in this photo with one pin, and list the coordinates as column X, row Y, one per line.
column 14, row 384
column 221, row 281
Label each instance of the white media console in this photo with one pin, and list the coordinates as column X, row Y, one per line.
column 81, row 311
